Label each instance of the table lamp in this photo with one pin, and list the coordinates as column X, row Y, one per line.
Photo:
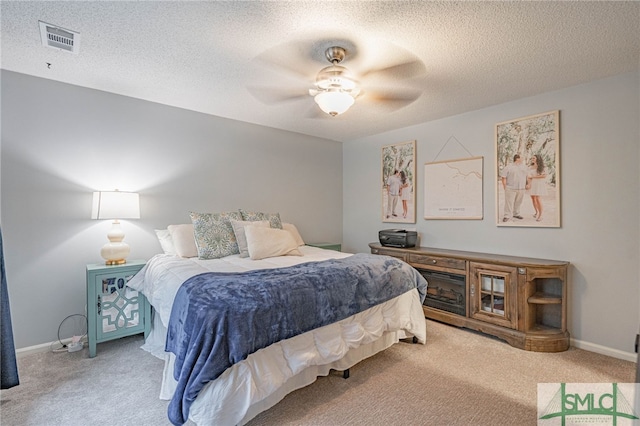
column 115, row 205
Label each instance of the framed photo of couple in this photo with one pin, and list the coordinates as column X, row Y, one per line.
column 528, row 171
column 398, row 182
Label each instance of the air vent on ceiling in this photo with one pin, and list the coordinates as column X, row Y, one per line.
column 59, row 38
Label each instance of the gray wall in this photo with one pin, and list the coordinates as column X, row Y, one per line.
column 600, row 140
column 61, row 142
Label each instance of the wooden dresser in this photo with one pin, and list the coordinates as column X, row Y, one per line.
column 518, row 299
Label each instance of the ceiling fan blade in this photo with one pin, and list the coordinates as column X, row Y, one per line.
column 315, row 112
column 291, row 66
column 292, row 58
column 396, row 99
column 273, row 95
column 402, row 70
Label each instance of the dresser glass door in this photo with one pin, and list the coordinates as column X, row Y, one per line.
column 493, row 294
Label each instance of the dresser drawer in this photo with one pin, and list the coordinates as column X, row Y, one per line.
column 392, row 253
column 444, row 262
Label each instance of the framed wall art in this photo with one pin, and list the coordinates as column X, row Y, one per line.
column 528, row 171
column 453, row 189
column 398, row 182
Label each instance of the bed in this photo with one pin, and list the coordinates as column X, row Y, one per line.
column 257, row 381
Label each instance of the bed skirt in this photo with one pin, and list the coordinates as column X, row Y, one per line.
column 268, row 375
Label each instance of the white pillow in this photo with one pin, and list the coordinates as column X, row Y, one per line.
column 183, row 240
column 166, row 242
column 238, row 229
column 269, row 242
column 294, row 232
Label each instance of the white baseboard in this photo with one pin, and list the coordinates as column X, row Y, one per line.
column 615, row 353
column 30, row 350
column 587, row 346
column 44, row 347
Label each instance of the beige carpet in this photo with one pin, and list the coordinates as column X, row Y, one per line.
column 458, row 378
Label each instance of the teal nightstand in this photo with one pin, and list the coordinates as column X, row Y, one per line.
column 113, row 309
column 328, row 246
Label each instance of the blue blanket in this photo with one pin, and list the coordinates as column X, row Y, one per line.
column 218, row 319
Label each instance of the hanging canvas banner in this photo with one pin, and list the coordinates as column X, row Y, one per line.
column 453, row 189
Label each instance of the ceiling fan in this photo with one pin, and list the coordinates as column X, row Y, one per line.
column 335, row 88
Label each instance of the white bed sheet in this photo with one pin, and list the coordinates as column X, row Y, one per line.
column 265, row 377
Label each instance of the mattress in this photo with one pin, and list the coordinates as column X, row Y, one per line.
column 266, row 376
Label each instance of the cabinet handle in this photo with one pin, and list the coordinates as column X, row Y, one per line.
column 472, row 290
column 434, row 261
column 99, row 304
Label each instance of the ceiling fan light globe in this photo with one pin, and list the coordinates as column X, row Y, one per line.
column 334, row 103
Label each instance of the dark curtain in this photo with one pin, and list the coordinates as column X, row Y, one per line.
column 8, row 366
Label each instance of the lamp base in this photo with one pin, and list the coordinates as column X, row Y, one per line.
column 115, row 253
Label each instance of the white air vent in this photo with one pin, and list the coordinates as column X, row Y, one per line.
column 59, row 38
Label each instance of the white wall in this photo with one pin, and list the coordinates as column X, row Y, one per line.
column 61, row 142
column 600, row 233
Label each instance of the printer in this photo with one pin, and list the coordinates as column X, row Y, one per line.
column 397, row 238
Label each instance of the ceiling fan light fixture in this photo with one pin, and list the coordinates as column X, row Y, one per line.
column 334, row 102
column 335, row 77
column 335, row 90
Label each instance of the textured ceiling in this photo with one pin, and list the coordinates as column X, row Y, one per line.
column 240, row 60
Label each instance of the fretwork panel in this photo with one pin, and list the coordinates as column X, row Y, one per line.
column 118, row 305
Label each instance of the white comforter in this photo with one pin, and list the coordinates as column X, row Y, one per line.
column 266, row 376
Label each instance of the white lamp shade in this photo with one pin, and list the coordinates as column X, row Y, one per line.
column 334, row 102
column 115, row 205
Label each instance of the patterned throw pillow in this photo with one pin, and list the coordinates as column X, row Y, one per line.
column 214, row 234
column 273, row 218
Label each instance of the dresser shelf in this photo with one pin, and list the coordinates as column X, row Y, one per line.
column 542, row 299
